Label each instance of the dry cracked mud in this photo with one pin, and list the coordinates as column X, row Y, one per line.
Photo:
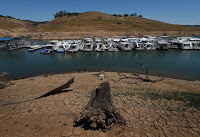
column 147, row 109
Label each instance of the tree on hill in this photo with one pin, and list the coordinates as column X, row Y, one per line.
column 125, row 15
column 140, row 16
column 115, row 15
column 1, row 16
column 134, row 14
column 65, row 13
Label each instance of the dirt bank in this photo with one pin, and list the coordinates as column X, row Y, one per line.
column 82, row 34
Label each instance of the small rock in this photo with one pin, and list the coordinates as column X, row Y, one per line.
column 102, row 134
column 136, row 135
column 65, row 124
column 76, row 131
column 149, row 135
column 67, row 132
column 66, row 112
column 29, row 110
column 93, row 125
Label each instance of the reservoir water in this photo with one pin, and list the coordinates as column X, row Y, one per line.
column 181, row 64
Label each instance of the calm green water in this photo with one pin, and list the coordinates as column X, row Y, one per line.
column 172, row 63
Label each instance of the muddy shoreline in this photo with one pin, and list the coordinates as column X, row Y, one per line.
column 86, row 71
column 166, row 108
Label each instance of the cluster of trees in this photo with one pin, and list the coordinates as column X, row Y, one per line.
column 65, row 13
column 126, row 15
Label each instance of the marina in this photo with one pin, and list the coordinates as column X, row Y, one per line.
column 107, row 44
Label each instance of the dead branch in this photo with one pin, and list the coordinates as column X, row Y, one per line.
column 64, row 86
column 138, row 77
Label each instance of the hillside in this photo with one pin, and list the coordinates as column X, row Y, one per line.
column 10, row 26
column 102, row 21
column 92, row 24
column 97, row 23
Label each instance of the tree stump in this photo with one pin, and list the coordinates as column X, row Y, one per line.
column 4, row 80
column 100, row 112
column 4, row 77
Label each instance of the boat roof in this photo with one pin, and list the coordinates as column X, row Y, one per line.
column 53, row 41
column 87, row 38
column 144, row 39
column 132, row 37
column 124, row 42
column 49, row 45
column 186, row 42
column 149, row 43
column 5, row 39
column 123, row 37
column 98, row 39
column 162, row 42
column 195, row 39
column 116, row 39
column 164, row 36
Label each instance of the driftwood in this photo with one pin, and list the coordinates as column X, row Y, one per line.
column 138, row 77
column 100, row 112
column 52, row 92
column 58, row 89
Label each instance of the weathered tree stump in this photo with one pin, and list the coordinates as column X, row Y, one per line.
column 100, row 112
column 4, row 80
column 4, row 76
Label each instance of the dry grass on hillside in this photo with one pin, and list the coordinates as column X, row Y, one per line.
column 92, row 24
column 14, row 25
column 89, row 21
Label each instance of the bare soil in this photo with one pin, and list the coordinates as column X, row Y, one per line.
column 146, row 113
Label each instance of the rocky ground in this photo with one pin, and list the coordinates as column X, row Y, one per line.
column 93, row 33
column 167, row 108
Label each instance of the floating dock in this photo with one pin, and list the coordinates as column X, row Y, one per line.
column 15, row 48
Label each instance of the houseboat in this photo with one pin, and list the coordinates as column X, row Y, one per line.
column 99, row 46
column 125, row 44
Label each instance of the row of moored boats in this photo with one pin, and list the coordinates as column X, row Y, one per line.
column 119, row 43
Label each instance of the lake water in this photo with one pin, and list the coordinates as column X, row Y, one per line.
column 182, row 64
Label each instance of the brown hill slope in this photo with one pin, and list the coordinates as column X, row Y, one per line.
column 91, row 24
column 100, row 23
column 12, row 27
